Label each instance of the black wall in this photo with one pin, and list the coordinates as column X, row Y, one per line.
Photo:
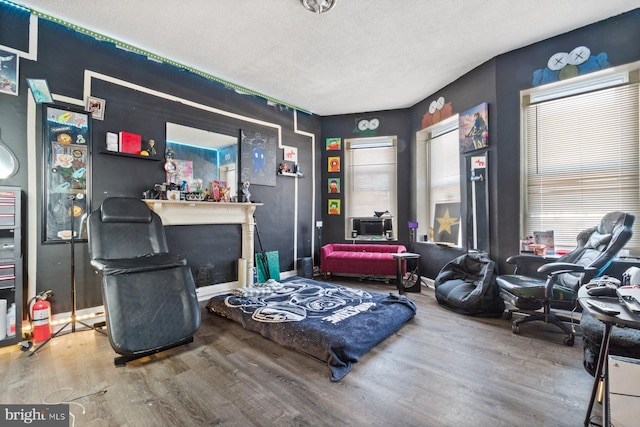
column 63, row 57
column 497, row 82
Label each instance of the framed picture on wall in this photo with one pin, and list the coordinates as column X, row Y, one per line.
column 333, row 206
column 334, row 144
column 67, row 173
column 333, row 185
column 9, row 66
column 96, row 107
column 257, row 158
column 40, row 90
column 474, row 128
column 333, row 164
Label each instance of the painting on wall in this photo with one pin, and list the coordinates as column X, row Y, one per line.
column 9, row 74
column 257, row 158
column 334, row 206
column 333, row 164
column 333, row 185
column 334, row 144
column 446, row 223
column 40, row 91
column 474, row 131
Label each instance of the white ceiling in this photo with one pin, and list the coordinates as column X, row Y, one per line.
column 363, row 55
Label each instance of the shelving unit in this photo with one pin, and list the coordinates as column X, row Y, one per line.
column 135, row 156
column 11, row 255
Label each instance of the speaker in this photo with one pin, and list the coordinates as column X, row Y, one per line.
column 305, row 267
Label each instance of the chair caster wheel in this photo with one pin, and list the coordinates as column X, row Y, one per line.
column 515, row 329
column 569, row 340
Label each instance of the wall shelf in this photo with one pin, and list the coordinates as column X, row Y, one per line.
column 291, row 174
column 134, row 156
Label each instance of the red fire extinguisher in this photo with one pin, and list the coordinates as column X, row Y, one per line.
column 40, row 314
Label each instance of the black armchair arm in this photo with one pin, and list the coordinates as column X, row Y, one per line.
column 555, row 268
column 527, row 265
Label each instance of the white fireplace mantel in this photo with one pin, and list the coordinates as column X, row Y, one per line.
column 174, row 212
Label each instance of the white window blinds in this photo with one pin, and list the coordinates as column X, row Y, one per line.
column 582, row 161
column 370, row 178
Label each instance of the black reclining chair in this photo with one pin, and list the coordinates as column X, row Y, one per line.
column 529, row 291
column 148, row 293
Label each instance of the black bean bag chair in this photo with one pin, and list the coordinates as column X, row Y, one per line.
column 467, row 285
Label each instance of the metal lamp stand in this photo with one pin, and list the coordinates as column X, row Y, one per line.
column 73, row 319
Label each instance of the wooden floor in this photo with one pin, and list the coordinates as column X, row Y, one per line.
column 439, row 369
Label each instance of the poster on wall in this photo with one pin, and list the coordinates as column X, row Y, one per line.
column 333, row 164
column 9, row 72
column 334, row 144
column 474, row 128
column 446, row 223
column 257, row 158
column 67, row 170
column 334, row 206
column 333, row 185
column 40, row 91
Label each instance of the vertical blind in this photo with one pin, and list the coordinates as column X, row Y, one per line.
column 582, row 162
column 371, row 180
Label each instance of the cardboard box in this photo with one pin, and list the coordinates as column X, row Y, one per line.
column 130, row 143
column 624, row 390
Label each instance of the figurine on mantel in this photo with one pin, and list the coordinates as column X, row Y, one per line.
column 245, row 191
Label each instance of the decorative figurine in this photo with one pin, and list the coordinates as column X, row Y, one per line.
column 245, row 191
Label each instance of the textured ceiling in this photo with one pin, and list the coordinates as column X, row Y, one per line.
column 363, row 55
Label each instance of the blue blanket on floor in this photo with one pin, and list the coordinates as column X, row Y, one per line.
column 335, row 324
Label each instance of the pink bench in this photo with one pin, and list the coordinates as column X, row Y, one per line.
column 360, row 259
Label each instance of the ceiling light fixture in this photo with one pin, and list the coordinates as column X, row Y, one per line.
column 318, row 6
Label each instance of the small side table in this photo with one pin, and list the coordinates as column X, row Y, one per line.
column 414, row 274
column 625, row 319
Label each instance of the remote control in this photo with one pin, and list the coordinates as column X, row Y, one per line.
column 604, row 307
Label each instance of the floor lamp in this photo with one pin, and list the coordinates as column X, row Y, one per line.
column 73, row 319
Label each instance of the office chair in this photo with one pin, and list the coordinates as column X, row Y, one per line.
column 149, row 294
column 539, row 283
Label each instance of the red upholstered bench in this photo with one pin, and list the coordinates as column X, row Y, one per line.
column 360, row 259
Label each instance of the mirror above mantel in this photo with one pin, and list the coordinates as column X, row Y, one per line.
column 203, row 155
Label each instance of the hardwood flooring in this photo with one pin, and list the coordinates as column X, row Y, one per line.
column 439, row 369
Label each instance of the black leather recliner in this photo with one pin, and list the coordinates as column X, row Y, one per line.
column 528, row 290
column 149, row 294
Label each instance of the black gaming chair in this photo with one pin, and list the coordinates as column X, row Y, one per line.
column 529, row 291
column 148, row 293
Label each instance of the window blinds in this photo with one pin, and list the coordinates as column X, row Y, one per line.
column 582, row 161
column 371, row 180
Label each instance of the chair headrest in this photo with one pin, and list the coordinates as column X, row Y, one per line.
column 610, row 221
column 125, row 209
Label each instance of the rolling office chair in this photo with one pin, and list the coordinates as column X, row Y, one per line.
column 528, row 290
column 148, row 293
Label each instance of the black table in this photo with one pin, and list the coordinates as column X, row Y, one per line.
column 415, row 274
column 626, row 319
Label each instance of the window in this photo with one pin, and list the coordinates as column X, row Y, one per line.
column 437, row 172
column 582, row 160
column 370, row 179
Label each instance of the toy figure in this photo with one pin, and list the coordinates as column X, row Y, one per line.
column 245, row 191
